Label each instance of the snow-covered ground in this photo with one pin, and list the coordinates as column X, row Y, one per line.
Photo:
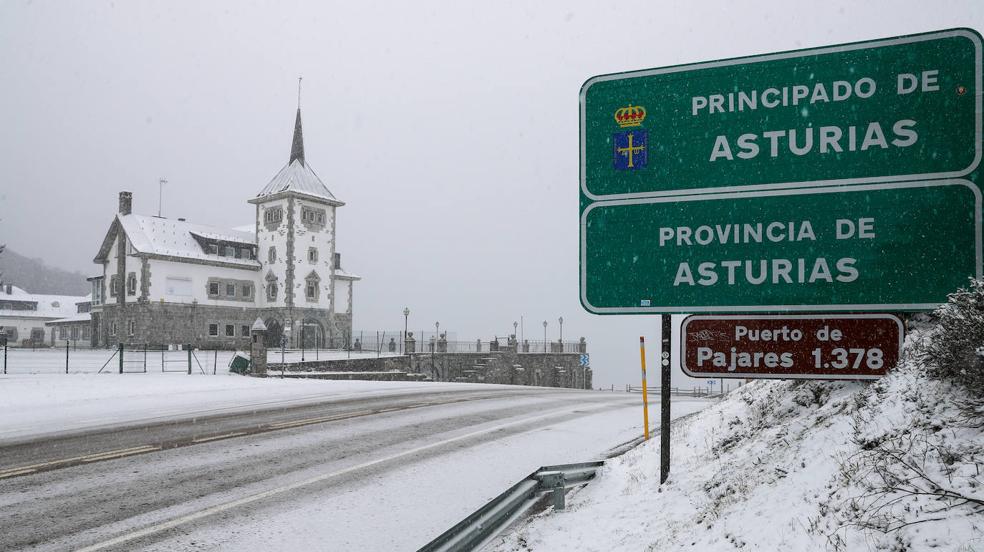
column 404, row 508
column 85, row 361
column 892, row 465
column 389, row 481
column 37, row 404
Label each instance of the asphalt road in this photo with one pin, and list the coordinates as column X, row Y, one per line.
column 157, row 486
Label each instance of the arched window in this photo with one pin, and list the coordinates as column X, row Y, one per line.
column 271, row 286
column 311, row 286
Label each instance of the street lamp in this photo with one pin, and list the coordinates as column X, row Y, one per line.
column 545, row 337
column 561, row 320
column 515, row 335
column 406, row 320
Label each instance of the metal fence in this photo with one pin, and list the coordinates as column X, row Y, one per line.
column 128, row 358
column 679, row 391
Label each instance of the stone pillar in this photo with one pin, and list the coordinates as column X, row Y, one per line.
column 257, row 348
column 442, row 343
column 409, row 344
column 392, row 345
column 582, row 346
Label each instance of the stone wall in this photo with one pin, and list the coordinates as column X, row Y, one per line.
column 370, row 364
column 180, row 323
column 503, row 366
column 507, row 367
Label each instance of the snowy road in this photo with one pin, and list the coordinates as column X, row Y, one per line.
column 385, row 472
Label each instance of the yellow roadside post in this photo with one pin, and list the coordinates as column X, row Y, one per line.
column 645, row 393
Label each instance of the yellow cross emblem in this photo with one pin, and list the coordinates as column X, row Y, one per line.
column 630, row 150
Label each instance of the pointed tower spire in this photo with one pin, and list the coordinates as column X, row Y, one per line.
column 297, row 146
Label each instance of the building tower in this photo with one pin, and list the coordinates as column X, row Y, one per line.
column 295, row 238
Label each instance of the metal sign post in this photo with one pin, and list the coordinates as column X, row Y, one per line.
column 664, row 424
column 807, row 181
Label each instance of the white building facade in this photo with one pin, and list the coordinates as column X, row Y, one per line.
column 37, row 320
column 172, row 282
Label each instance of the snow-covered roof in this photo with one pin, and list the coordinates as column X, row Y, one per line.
column 80, row 317
column 48, row 306
column 298, row 176
column 341, row 274
column 176, row 238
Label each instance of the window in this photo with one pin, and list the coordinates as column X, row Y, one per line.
column 213, row 248
column 131, row 326
column 231, row 290
column 252, row 253
column 230, row 251
column 213, row 288
column 272, row 255
column 247, row 290
column 112, row 329
column 273, row 215
column 230, row 330
column 114, row 285
column 97, row 291
column 85, row 332
column 75, row 332
column 37, row 335
column 131, row 283
column 312, row 254
column 11, row 332
column 62, row 332
column 312, row 216
column 272, row 291
column 213, row 330
column 244, row 329
column 311, row 286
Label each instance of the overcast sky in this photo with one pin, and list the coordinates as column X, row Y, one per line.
column 449, row 128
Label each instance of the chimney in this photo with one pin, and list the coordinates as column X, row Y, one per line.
column 126, row 203
column 10, row 289
column 338, row 261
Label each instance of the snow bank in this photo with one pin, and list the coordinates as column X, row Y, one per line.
column 41, row 404
column 782, row 465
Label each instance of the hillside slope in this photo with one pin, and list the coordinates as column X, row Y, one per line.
column 34, row 276
column 782, row 465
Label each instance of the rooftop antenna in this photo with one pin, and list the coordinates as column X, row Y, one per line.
column 160, row 195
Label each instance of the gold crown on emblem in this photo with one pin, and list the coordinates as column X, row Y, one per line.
column 630, row 116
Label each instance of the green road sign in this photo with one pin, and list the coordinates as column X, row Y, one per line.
column 899, row 109
column 886, row 246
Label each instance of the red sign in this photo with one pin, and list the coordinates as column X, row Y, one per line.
column 848, row 346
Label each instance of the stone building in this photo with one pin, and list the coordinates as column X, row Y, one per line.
column 172, row 282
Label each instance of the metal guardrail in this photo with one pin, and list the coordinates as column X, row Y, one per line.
column 488, row 520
